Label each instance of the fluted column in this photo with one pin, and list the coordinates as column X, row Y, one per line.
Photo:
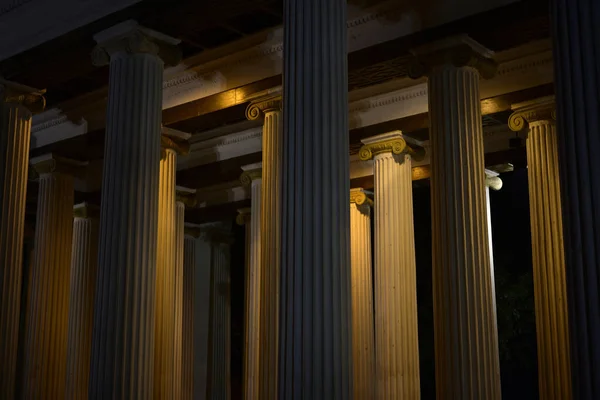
column 396, row 327
column 576, row 35
column 363, row 342
column 269, row 108
column 188, row 337
column 46, row 348
column 122, row 363
column 549, row 276
column 492, row 181
column 315, row 336
column 167, row 377
column 84, row 261
column 466, row 342
column 219, row 347
column 16, row 104
column 252, row 176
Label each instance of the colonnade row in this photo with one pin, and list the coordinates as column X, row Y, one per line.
column 305, row 293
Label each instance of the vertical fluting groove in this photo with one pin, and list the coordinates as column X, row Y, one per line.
column 363, row 344
column 577, row 81
column 466, row 340
column 46, row 349
column 122, row 363
column 187, row 370
column 270, row 251
column 315, row 350
column 548, row 262
column 178, row 302
column 253, row 293
column 15, row 134
column 165, row 317
column 219, row 387
column 84, row 261
column 396, row 327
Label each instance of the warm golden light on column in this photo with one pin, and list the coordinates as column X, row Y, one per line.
column 395, row 280
column 466, row 341
column 363, row 345
column 549, row 277
column 46, row 343
column 16, row 105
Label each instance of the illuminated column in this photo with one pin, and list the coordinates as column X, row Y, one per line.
column 576, row 34
column 46, row 348
column 396, row 327
column 252, row 219
column 84, row 261
column 189, row 293
column 16, row 105
column 269, row 108
column 466, row 344
column 363, row 345
column 315, row 359
column 219, row 348
column 549, row 280
column 167, row 379
column 492, row 181
column 122, row 363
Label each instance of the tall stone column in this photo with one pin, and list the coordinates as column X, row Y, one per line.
column 252, row 176
column 167, row 380
column 315, row 336
column 188, row 336
column 492, row 181
column 122, row 363
column 219, row 339
column 549, row 276
column 576, row 34
column 84, row 262
column 396, row 327
column 46, row 348
column 466, row 345
column 269, row 108
column 16, row 105
column 363, row 342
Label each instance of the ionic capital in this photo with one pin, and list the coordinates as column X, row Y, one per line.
column 458, row 51
column 131, row 38
column 492, row 180
column 392, row 142
column 526, row 113
column 258, row 108
column 50, row 163
column 251, row 173
column 15, row 93
column 86, row 211
column 359, row 197
column 243, row 216
column 175, row 140
column 186, row 196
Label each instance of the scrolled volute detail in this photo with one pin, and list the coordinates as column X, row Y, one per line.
column 359, row 197
column 257, row 109
column 527, row 113
column 248, row 176
column 52, row 164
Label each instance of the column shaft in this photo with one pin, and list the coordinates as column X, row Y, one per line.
column 189, row 267
column 576, row 34
column 178, row 330
column 164, row 324
column 46, row 350
column 466, row 341
column 315, row 341
column 363, row 345
column 15, row 131
column 548, row 262
column 122, row 363
column 84, row 261
column 396, row 328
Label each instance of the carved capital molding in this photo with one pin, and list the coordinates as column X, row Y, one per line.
column 50, row 164
column 459, row 51
column 131, row 38
column 258, row 108
column 542, row 109
column 15, row 93
column 251, row 173
column 86, row 211
column 359, row 197
column 243, row 216
column 186, row 196
column 181, row 147
column 492, row 180
column 392, row 142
